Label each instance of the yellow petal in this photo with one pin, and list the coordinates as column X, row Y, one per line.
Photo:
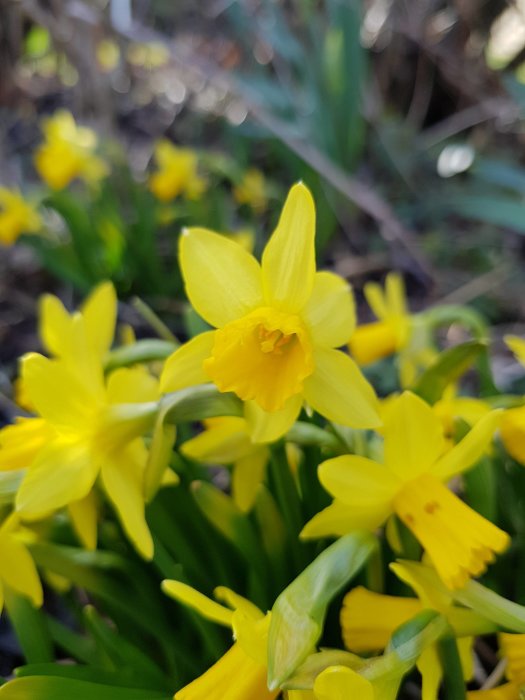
column 413, row 436
column 342, row 683
column 238, row 602
column 330, row 311
column 20, row 443
column 83, row 514
column 223, row 281
column 57, row 395
column 513, row 433
column 376, row 299
column 248, row 473
column 100, row 316
column 205, row 606
column 429, row 666
column 358, row 481
column 63, row 472
column 122, row 479
column 185, row 367
column 288, row 262
column 467, row 452
column 224, row 442
column 131, row 385
column 235, row 676
column 268, row 427
column 54, row 325
column 368, row 619
column 513, row 649
column 338, row 390
column 395, row 294
column 517, row 345
column 339, row 519
column 425, row 583
column 18, row 570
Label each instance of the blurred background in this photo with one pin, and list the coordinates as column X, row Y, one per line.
column 404, row 117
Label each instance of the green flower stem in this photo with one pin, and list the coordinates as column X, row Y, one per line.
column 453, row 681
column 287, row 497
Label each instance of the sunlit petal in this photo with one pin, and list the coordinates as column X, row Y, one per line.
column 185, row 367
column 223, row 281
column 330, row 311
column 288, row 262
column 338, row 390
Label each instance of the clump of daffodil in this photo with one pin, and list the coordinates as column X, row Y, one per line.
column 513, row 420
column 252, row 190
column 369, row 619
column 278, row 325
column 177, row 173
column 459, row 542
column 17, row 216
column 86, row 425
column 68, row 152
column 395, row 331
column 240, row 674
column 17, row 568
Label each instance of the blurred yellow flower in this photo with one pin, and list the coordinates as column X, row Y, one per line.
column 177, row 173
column 68, row 152
column 17, row 216
column 459, row 541
column 17, row 568
column 252, row 190
column 278, row 326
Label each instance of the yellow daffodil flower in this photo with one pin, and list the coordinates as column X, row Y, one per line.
column 17, row 568
column 278, row 324
column 226, row 440
column 240, row 674
column 373, row 341
column 17, row 216
column 68, row 152
column 82, row 339
column 251, row 190
column 83, row 430
column 395, row 331
column 459, row 541
column 369, row 619
column 177, row 173
column 513, row 420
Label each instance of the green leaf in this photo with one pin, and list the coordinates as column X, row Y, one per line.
column 142, row 351
column 500, row 210
column 299, row 612
column 448, row 367
column 30, row 626
column 136, row 666
column 55, row 688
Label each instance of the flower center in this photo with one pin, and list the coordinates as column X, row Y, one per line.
column 263, row 356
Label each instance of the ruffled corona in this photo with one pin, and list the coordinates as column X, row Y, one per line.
column 263, row 356
column 459, row 541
